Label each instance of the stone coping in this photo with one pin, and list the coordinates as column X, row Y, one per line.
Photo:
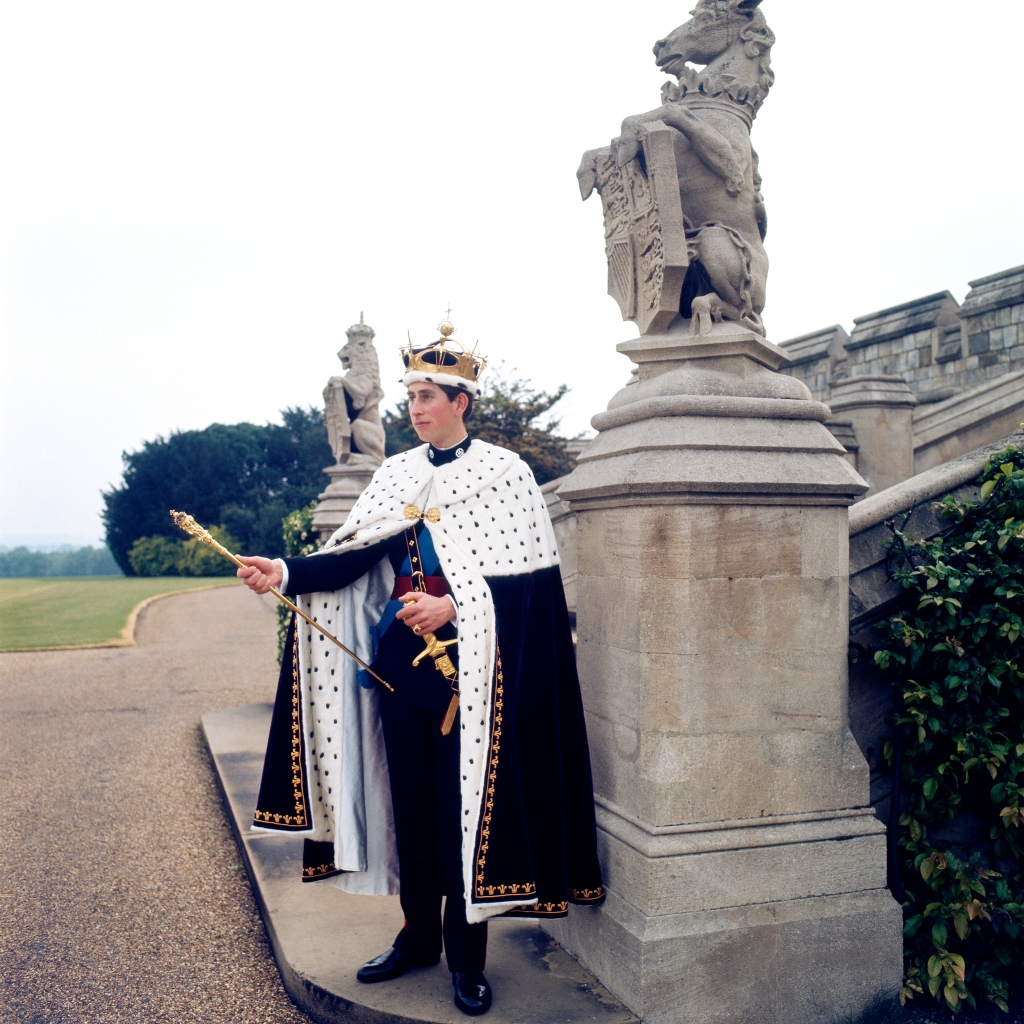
column 967, row 409
column 808, row 347
column 897, row 321
column 996, row 291
column 870, row 389
column 320, row 935
column 924, row 486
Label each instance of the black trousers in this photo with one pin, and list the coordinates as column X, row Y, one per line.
column 425, row 791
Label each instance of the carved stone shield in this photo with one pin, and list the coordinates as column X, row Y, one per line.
column 645, row 239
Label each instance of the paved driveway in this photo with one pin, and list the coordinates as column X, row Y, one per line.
column 121, row 892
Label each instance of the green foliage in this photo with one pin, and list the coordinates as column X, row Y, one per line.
column 163, row 556
column 199, row 559
column 299, row 539
column 952, row 652
column 21, row 563
column 506, row 413
column 298, row 534
column 245, row 477
column 155, row 556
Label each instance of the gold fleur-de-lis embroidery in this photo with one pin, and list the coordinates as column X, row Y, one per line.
column 298, row 819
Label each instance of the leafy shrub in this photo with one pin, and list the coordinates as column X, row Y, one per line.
column 199, row 559
column 155, row 556
column 299, row 539
column 161, row 556
column 298, row 534
column 959, row 747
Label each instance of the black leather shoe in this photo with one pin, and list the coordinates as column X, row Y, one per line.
column 392, row 964
column 472, row 993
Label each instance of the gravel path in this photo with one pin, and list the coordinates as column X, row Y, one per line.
column 122, row 896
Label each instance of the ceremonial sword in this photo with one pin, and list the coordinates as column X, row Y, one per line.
column 185, row 522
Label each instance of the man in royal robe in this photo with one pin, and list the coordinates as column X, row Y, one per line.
column 465, row 773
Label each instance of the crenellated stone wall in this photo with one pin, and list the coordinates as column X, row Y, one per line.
column 813, row 358
column 940, row 348
column 962, row 366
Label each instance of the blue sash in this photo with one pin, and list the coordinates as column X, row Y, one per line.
column 431, row 567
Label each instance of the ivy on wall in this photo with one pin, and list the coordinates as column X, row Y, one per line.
column 955, row 655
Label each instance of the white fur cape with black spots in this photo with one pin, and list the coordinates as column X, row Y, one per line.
column 528, row 843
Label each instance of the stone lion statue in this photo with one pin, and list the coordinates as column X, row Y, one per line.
column 351, row 403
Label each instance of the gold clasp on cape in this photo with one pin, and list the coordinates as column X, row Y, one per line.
column 432, row 515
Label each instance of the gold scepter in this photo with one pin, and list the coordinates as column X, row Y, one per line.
column 185, row 522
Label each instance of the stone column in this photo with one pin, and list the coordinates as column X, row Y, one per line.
column 880, row 407
column 336, row 501
column 563, row 522
column 745, row 870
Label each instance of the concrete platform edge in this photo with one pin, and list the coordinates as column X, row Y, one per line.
column 319, row 934
column 315, row 1001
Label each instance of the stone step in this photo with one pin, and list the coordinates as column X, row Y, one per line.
column 320, row 935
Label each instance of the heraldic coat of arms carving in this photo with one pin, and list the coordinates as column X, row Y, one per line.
column 684, row 218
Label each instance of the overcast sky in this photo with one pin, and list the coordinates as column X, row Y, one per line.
column 196, row 199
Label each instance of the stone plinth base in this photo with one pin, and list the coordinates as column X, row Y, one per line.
column 347, row 483
column 803, row 961
column 718, row 922
column 745, row 868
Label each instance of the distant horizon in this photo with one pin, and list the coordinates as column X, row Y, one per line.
column 47, row 541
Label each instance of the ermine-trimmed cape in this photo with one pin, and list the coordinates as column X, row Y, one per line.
column 528, row 840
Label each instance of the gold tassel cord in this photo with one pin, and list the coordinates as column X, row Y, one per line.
column 185, row 522
column 449, row 715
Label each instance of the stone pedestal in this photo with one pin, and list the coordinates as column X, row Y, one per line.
column 348, row 481
column 880, row 408
column 563, row 522
column 745, row 870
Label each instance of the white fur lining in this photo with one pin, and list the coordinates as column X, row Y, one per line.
column 493, row 522
column 448, row 379
column 346, row 767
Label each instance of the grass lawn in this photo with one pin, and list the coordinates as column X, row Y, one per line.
column 64, row 611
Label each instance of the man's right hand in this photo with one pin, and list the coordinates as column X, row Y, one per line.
column 260, row 574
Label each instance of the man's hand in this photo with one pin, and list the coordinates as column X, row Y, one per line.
column 424, row 611
column 260, row 574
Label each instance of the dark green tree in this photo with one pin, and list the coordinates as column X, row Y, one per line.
column 508, row 413
column 243, row 477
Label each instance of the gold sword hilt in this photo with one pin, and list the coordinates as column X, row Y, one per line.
column 434, row 649
column 437, row 649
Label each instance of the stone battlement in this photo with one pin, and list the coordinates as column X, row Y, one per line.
column 938, row 347
column 963, row 364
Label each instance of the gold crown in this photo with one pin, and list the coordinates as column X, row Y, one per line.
column 440, row 357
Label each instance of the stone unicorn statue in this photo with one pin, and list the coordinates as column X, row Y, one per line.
column 723, row 213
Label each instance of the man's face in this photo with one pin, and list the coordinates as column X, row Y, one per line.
column 434, row 417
